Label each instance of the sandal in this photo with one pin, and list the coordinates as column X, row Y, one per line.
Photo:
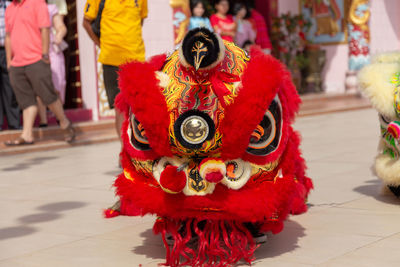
column 18, row 142
column 70, row 133
column 43, row 125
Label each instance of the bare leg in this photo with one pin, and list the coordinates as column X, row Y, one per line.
column 42, row 111
column 58, row 110
column 29, row 116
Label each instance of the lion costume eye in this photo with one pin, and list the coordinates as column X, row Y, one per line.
column 137, row 134
column 266, row 137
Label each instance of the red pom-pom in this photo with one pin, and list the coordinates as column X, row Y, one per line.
column 171, row 180
column 214, row 177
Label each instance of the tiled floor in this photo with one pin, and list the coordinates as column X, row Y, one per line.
column 51, row 204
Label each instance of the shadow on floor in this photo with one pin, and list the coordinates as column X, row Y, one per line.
column 62, row 206
column 376, row 189
column 16, row 231
column 152, row 246
column 27, row 164
column 52, row 212
column 281, row 243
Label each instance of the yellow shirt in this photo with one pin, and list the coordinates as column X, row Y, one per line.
column 121, row 29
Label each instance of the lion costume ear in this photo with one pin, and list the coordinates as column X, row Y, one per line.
column 263, row 79
column 142, row 95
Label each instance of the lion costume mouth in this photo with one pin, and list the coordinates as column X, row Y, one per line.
column 196, row 173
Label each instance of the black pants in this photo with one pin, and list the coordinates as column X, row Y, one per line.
column 8, row 102
column 110, row 76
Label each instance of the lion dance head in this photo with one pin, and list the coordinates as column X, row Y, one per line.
column 209, row 148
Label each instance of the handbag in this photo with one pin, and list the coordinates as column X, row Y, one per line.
column 96, row 22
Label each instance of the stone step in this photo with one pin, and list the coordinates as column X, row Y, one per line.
column 53, row 137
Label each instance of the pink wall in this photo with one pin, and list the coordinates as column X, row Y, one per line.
column 285, row 6
column 385, row 25
column 157, row 29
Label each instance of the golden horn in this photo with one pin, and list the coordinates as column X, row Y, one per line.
column 199, row 47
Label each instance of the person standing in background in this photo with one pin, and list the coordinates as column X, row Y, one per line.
column 259, row 24
column 29, row 65
column 57, row 60
column 8, row 103
column 199, row 16
column 120, row 41
column 245, row 31
column 222, row 22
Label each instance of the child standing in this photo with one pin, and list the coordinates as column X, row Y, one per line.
column 199, row 18
column 222, row 22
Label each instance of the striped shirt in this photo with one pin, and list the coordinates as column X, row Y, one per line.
column 3, row 5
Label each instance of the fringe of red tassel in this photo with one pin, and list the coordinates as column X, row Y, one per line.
column 219, row 242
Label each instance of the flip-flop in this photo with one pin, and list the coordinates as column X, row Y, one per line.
column 18, row 142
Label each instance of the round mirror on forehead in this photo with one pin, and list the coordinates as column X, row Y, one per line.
column 193, row 128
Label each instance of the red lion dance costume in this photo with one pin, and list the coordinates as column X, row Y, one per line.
column 209, row 149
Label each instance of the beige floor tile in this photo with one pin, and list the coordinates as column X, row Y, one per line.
column 92, row 252
column 378, row 202
column 352, row 221
column 310, row 246
column 20, row 240
column 381, row 253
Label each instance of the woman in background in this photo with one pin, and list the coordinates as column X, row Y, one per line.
column 245, row 31
column 57, row 60
column 222, row 22
column 199, row 18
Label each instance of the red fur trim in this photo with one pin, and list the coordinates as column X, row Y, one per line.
column 219, row 243
column 260, row 83
column 110, row 213
column 172, row 179
column 141, row 92
column 292, row 160
column 158, row 61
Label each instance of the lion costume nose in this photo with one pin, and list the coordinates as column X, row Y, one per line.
column 212, row 170
column 172, row 180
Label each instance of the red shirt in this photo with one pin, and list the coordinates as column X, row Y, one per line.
column 224, row 25
column 23, row 22
column 262, row 38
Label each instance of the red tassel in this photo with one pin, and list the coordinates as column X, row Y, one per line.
column 220, row 243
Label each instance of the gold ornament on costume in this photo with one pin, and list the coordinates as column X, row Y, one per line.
column 194, row 130
column 200, row 51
